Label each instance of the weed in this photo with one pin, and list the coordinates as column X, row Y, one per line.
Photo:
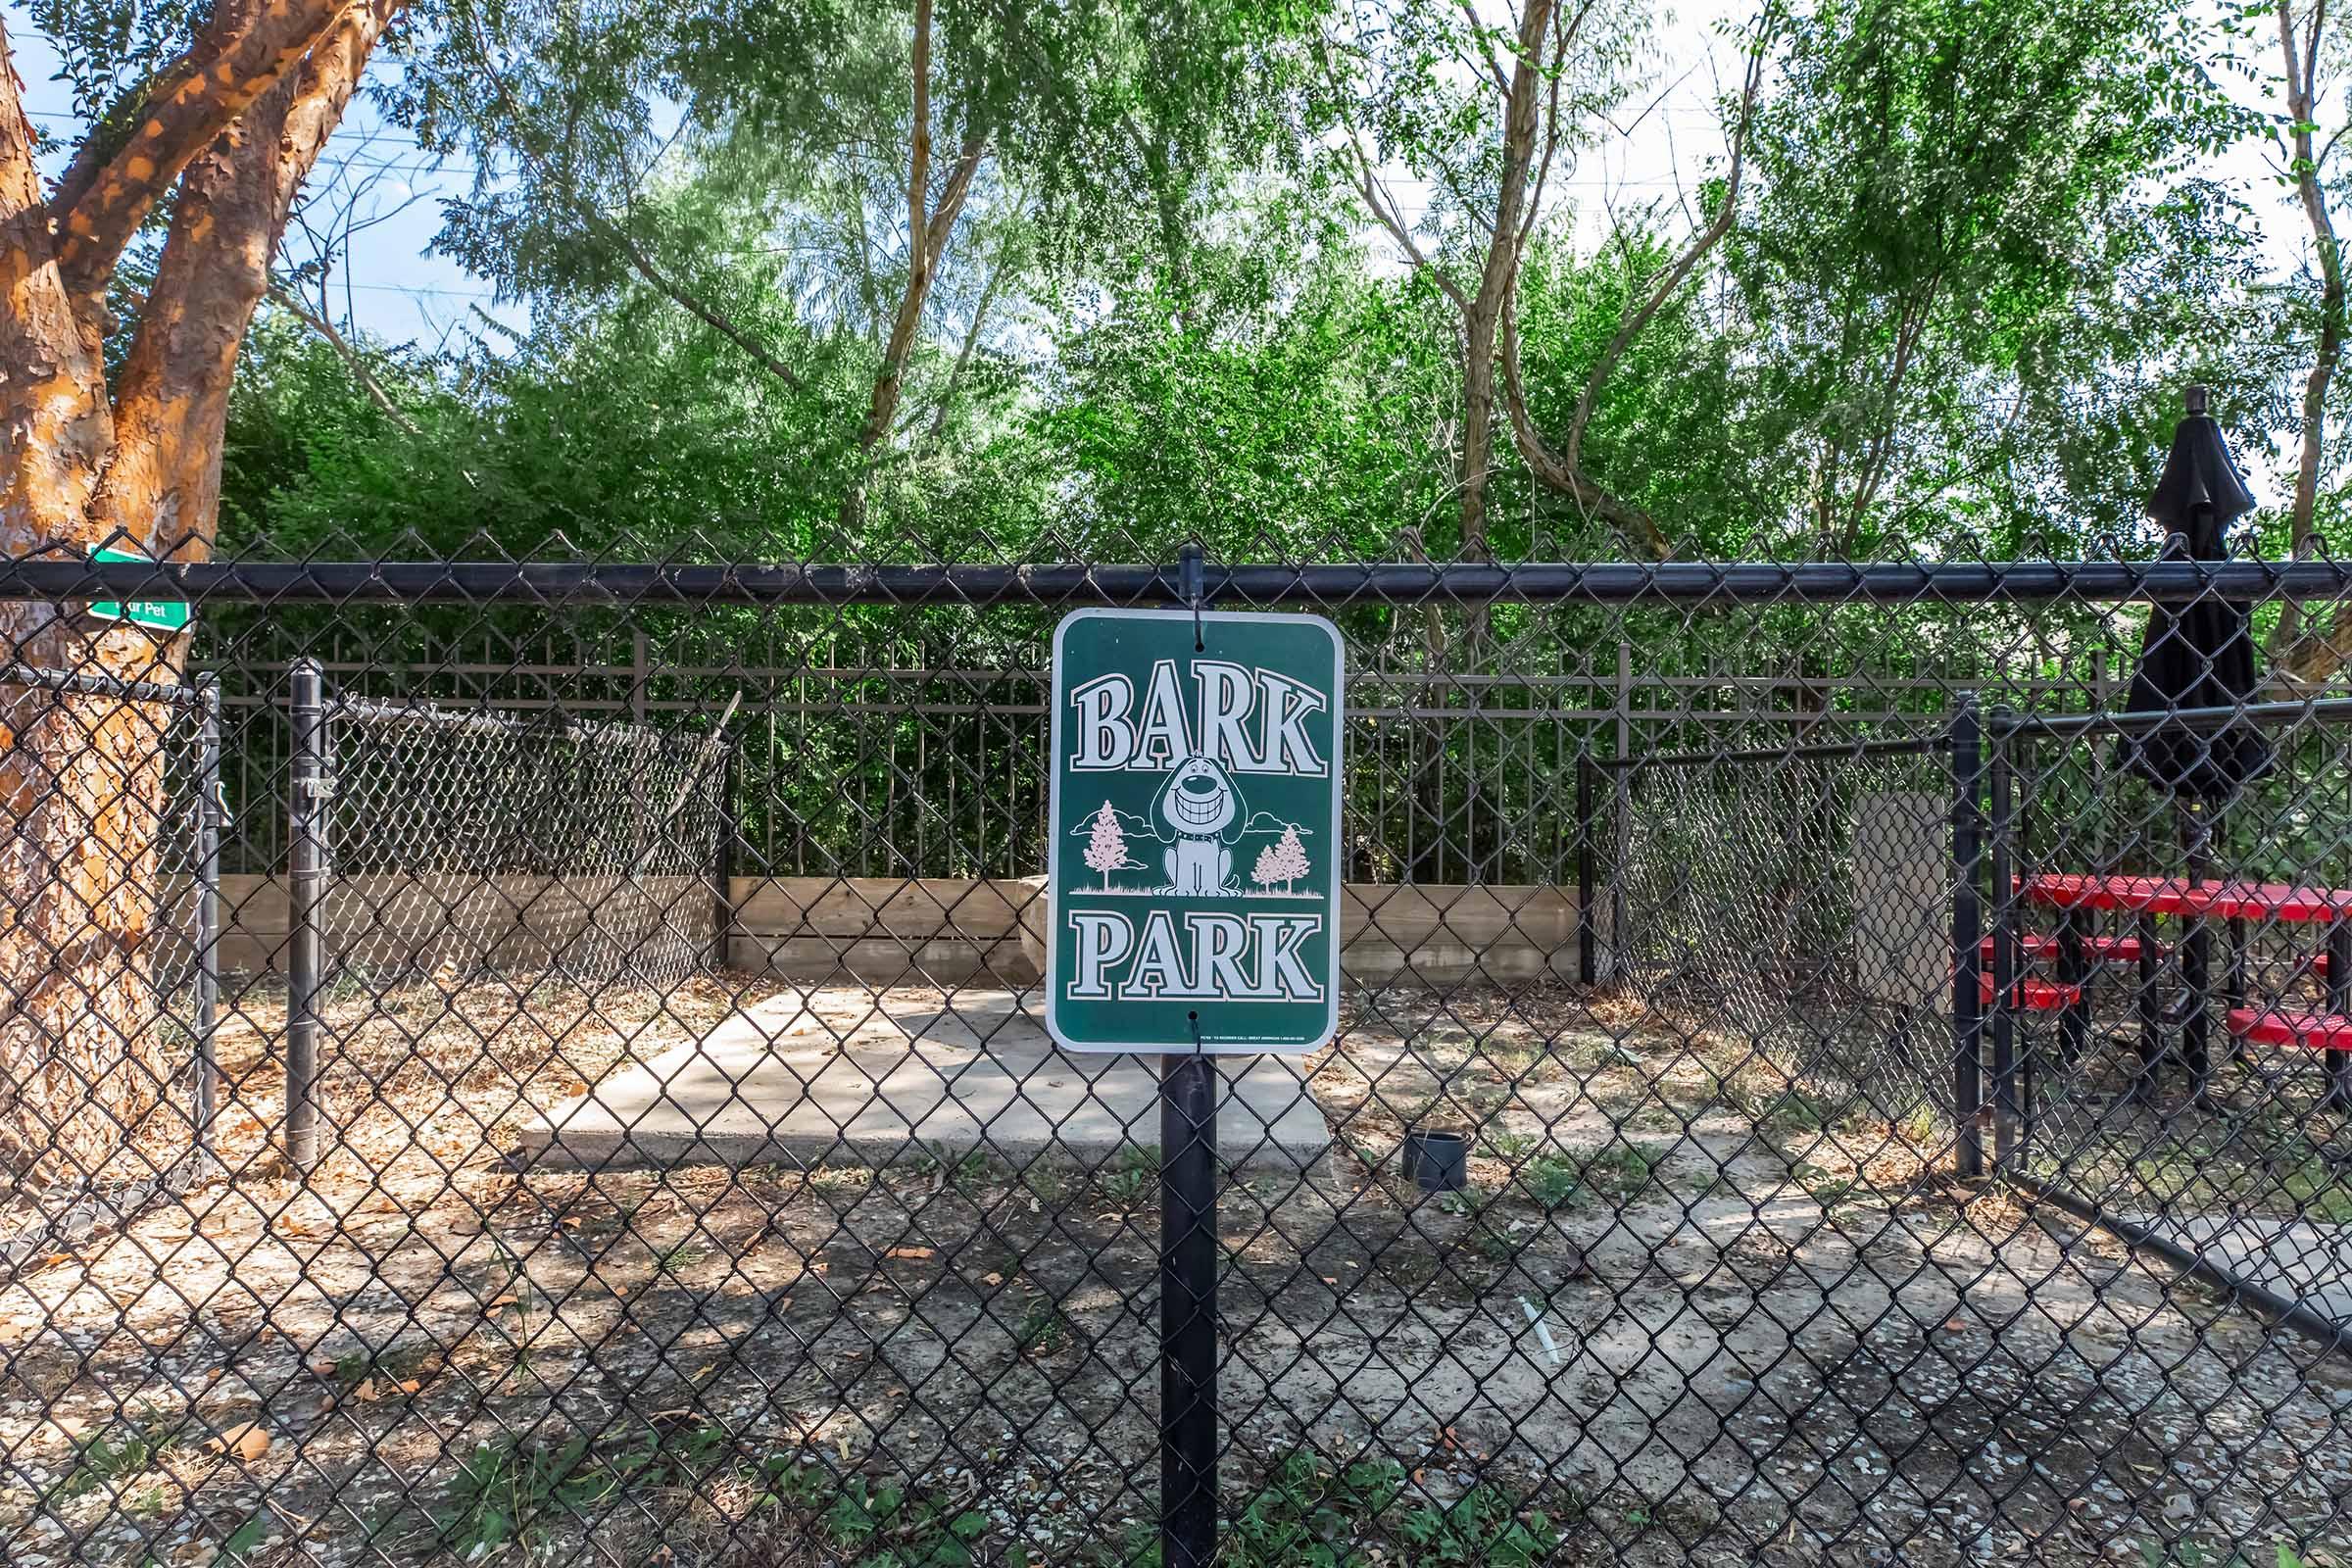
column 1051, row 1181
column 1132, row 1175
column 875, row 1525
column 1826, row 1188
column 1919, row 1128
column 1308, row 1511
column 1483, row 1527
column 1795, row 1112
column 1551, row 1181
column 121, row 1451
column 681, row 1257
column 396, row 1363
column 505, row 1492
column 962, row 1171
column 1513, row 1147
column 1468, row 1202
column 1622, row 1170
column 2188, row 1554
column 1041, row 1329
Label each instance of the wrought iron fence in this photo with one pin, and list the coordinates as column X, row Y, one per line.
column 1789, row 1181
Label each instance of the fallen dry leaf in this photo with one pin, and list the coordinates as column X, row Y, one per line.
column 244, row 1443
column 913, row 1251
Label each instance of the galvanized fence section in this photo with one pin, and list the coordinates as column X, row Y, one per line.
column 636, row 1140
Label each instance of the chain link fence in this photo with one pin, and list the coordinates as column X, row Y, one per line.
column 110, row 1036
column 637, row 1139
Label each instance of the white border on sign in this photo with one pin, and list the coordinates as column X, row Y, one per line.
column 1339, row 861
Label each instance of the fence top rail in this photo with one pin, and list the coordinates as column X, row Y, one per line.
column 202, row 692
column 535, row 725
column 55, row 577
column 2005, row 721
column 1910, row 746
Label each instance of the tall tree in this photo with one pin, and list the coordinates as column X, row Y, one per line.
column 2308, row 46
column 218, row 128
column 1484, row 115
column 811, row 206
column 1940, row 184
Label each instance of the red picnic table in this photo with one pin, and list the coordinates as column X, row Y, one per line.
column 2145, row 897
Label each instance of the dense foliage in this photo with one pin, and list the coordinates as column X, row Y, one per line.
column 1975, row 254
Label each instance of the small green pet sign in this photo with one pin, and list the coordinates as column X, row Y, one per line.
column 1194, row 873
column 163, row 615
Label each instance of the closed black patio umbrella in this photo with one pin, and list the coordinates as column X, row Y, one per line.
column 2199, row 654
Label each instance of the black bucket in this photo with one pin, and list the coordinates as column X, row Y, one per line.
column 1440, row 1162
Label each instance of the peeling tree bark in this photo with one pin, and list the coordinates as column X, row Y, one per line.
column 235, row 126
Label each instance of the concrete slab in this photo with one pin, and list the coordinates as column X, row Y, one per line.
column 845, row 1075
column 2304, row 1262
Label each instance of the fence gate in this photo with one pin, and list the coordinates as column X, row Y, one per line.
column 542, row 1063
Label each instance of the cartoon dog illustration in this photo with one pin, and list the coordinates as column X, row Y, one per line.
column 1201, row 808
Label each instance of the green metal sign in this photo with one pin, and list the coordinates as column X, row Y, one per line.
column 1194, row 874
column 165, row 615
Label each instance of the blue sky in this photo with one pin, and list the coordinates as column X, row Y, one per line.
column 394, row 289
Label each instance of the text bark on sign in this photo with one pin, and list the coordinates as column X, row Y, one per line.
column 1194, row 873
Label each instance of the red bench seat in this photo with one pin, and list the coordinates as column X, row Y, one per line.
column 2317, row 1031
column 2034, row 996
column 2040, row 947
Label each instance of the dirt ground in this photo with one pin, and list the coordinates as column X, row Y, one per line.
column 1685, row 1311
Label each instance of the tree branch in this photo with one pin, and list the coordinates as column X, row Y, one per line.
column 171, row 397
column 1671, row 280
column 644, row 267
column 603, row 227
column 1554, row 473
column 199, row 97
column 1369, row 185
column 55, row 424
column 285, row 299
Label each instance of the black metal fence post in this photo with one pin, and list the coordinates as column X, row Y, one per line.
column 2006, row 954
column 308, row 786
column 1188, row 1311
column 1588, row 957
column 210, row 810
column 1187, row 1273
column 1968, row 931
column 722, row 872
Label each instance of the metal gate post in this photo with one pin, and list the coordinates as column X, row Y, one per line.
column 722, row 874
column 2006, row 955
column 210, row 810
column 1587, row 959
column 1621, row 833
column 307, row 787
column 1187, row 1273
column 1968, row 931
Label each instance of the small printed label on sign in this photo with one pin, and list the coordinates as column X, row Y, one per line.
column 1193, row 872
column 165, row 614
